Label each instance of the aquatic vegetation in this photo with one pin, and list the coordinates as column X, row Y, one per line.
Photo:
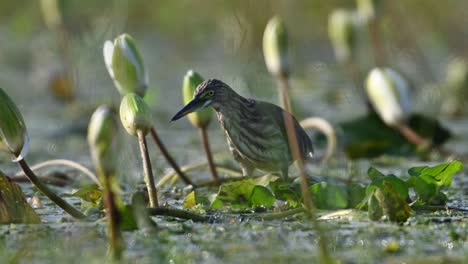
column 125, row 65
column 137, row 121
column 102, row 141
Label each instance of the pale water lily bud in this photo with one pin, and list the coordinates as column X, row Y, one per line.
column 275, row 47
column 369, row 9
column 125, row 65
column 14, row 140
column 103, row 139
column 389, row 94
column 342, row 27
column 201, row 118
column 135, row 114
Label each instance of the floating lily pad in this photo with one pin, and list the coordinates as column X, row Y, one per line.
column 368, row 136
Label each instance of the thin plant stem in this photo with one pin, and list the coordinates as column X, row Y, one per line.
column 411, row 135
column 377, row 44
column 279, row 215
column 307, row 197
column 113, row 218
column 63, row 162
column 148, row 171
column 168, row 157
column 183, row 214
column 49, row 193
column 209, row 156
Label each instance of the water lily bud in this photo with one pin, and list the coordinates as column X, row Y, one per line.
column 103, row 139
column 135, row 114
column 125, row 65
column 457, row 73
column 275, row 47
column 342, row 28
column 51, row 11
column 201, row 118
column 14, row 140
column 389, row 93
column 369, row 9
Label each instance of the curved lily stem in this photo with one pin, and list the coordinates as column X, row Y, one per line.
column 307, row 197
column 49, row 193
column 168, row 157
column 209, row 156
column 148, row 171
column 63, row 162
column 166, row 211
column 326, row 128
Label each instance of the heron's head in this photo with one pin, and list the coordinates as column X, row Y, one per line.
column 211, row 92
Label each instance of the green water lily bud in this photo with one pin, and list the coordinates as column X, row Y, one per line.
column 14, row 140
column 103, row 139
column 201, row 118
column 51, row 11
column 369, row 9
column 125, row 65
column 135, row 114
column 275, row 47
column 457, row 73
column 342, row 27
column 389, row 94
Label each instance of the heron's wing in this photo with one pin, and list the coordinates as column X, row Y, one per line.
column 277, row 115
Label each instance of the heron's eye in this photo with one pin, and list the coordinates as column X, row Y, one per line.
column 210, row 93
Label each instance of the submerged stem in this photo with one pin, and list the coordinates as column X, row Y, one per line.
column 166, row 211
column 49, row 193
column 63, row 162
column 148, row 172
column 209, row 156
column 168, row 157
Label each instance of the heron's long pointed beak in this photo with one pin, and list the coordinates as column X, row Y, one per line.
column 193, row 106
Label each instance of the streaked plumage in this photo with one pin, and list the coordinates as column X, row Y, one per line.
column 255, row 130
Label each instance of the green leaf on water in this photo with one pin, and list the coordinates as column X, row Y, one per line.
column 329, row 196
column 356, row 192
column 285, row 192
column 261, row 196
column 379, row 178
column 393, row 205
column 236, row 194
column 189, row 201
column 428, row 181
column 89, row 193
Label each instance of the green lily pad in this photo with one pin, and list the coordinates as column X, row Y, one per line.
column 428, row 181
column 368, row 136
column 329, row 196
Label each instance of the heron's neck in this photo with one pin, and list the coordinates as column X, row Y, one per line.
column 232, row 106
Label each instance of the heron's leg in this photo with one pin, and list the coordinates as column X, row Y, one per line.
column 246, row 170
